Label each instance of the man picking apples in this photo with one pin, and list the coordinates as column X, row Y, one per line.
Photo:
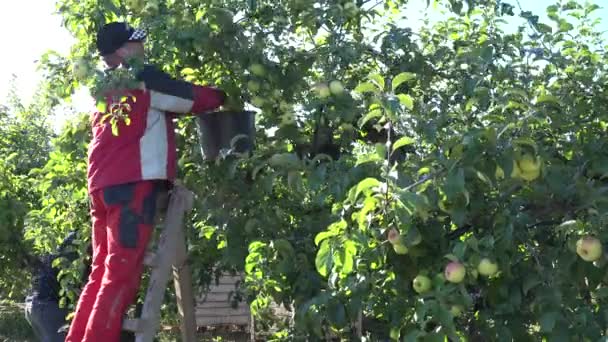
column 126, row 174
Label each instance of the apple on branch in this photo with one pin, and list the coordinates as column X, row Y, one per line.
column 421, row 284
column 589, row 248
column 487, row 268
column 454, row 272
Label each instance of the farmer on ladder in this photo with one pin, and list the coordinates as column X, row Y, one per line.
column 126, row 173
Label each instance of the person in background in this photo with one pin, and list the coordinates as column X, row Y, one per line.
column 127, row 173
column 42, row 309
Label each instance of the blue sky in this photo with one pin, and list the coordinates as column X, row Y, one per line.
column 29, row 28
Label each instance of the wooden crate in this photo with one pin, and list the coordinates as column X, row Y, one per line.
column 215, row 307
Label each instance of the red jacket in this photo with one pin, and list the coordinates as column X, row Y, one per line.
column 145, row 149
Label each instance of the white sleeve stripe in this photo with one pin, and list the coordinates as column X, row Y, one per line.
column 170, row 103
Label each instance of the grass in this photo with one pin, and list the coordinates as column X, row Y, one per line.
column 15, row 328
column 13, row 325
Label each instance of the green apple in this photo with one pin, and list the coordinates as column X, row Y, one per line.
column 258, row 101
column 253, row 86
column 515, row 171
column 257, row 69
column 487, row 268
column 351, row 9
column 336, row 87
column 80, row 69
column 323, row 90
column 288, row 119
column 454, row 272
column 136, row 5
column 284, row 106
column 499, row 173
column 456, row 310
column 589, row 248
column 421, row 284
column 400, row 249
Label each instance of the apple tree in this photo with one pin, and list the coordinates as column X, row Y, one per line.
column 442, row 182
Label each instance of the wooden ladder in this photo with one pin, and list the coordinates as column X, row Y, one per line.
column 170, row 257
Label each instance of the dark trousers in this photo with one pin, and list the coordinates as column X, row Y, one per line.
column 46, row 318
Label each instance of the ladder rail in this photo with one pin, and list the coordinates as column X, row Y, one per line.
column 170, row 256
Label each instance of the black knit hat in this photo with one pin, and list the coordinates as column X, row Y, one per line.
column 113, row 36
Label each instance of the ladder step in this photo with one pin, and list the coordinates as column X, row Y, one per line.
column 133, row 325
column 151, row 259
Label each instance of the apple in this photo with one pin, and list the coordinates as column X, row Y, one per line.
column 336, row 87
column 151, row 8
column 323, row 90
column 351, row 9
column 500, row 173
column 394, row 237
column 454, row 272
column 456, row 310
column 253, row 86
column 530, row 176
column 257, row 69
column 528, row 167
column 136, row 5
column 400, row 249
column 284, row 106
column 486, row 267
column 258, row 101
column 287, row 119
column 515, row 171
column 589, row 248
column 80, row 69
column 421, row 283
column 528, row 163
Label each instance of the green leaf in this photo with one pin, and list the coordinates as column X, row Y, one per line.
column 454, row 184
column 530, row 282
column 403, row 141
column 368, row 158
column 378, row 80
column 395, row 333
column 402, row 77
column 336, row 313
column 350, row 251
column 366, row 87
column 372, row 114
column 546, row 98
column 406, row 100
column 323, row 261
column 334, row 229
column 365, row 186
column 547, row 321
